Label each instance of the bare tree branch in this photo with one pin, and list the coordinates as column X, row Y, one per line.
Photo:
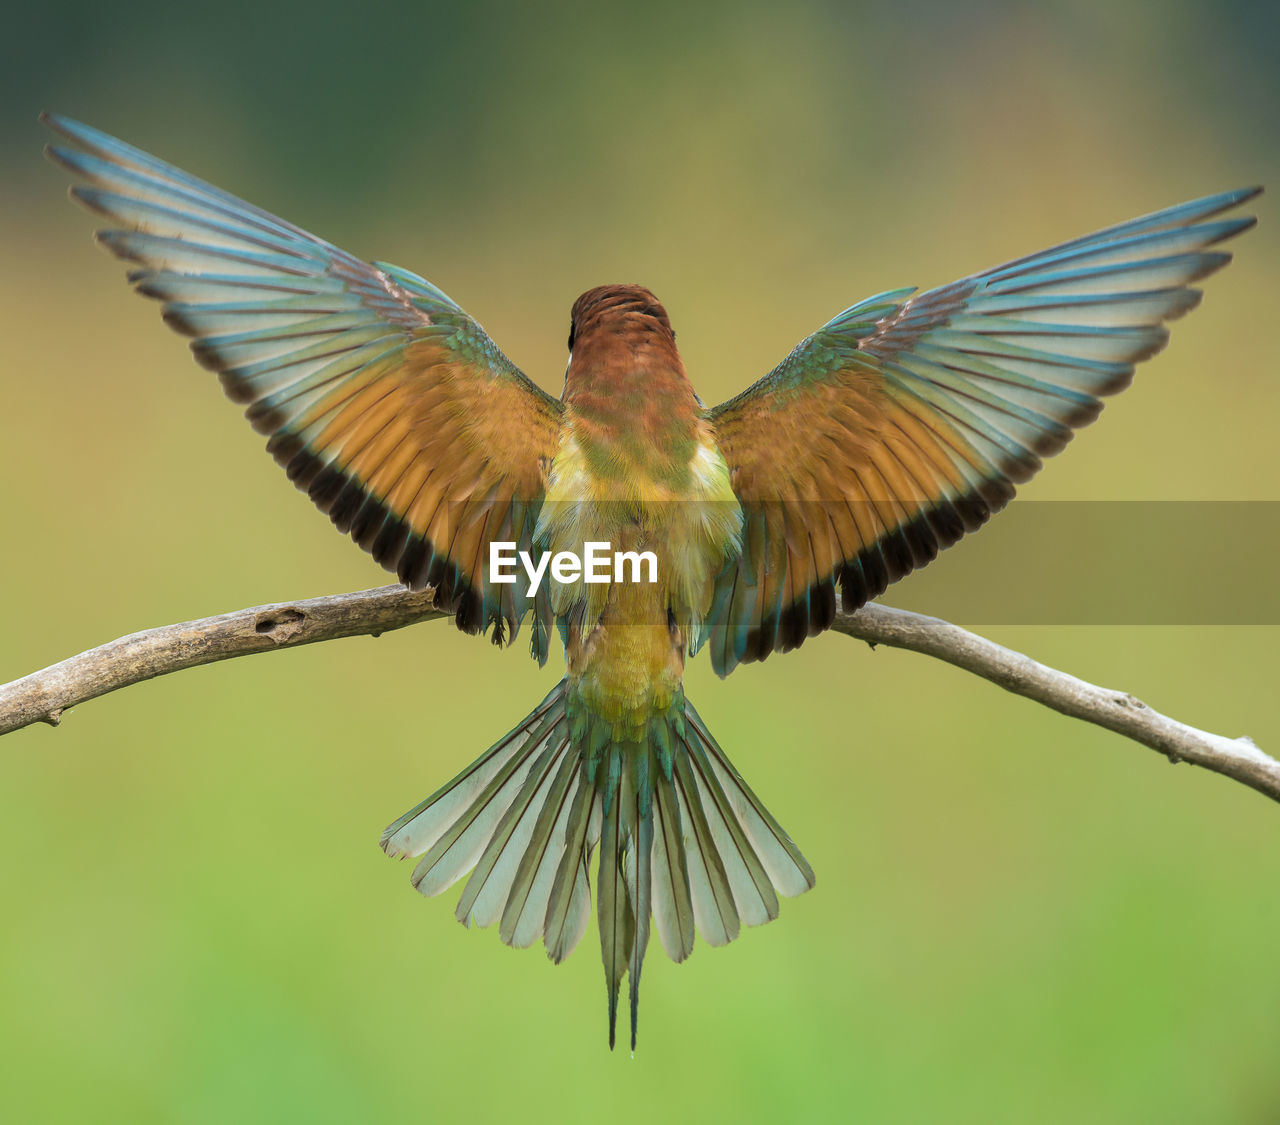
column 44, row 696
column 1117, row 711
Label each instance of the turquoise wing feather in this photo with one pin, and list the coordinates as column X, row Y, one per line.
column 905, row 421
column 380, row 397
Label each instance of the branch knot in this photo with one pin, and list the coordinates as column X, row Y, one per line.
column 281, row 626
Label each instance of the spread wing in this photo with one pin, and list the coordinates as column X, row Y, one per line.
column 907, row 420
column 381, row 398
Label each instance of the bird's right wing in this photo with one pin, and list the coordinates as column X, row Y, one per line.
column 906, row 421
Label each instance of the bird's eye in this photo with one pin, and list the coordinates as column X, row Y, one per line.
column 572, row 333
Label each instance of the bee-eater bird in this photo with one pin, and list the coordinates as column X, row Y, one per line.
column 894, row 429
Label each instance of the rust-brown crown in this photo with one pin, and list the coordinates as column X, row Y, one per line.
column 620, row 310
column 625, row 379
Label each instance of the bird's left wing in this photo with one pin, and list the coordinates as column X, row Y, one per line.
column 381, row 398
column 907, row 420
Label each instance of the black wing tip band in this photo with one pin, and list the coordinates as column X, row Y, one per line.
column 910, row 546
column 389, row 538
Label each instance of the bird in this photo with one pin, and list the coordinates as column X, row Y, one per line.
column 899, row 426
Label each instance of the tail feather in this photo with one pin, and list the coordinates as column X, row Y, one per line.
column 614, row 912
column 569, row 902
column 672, row 901
column 525, row 913
column 753, row 894
column 460, row 848
column 639, row 870
column 713, row 907
column 788, row 870
column 681, row 838
column 579, row 913
column 489, row 888
column 454, row 824
column 424, row 824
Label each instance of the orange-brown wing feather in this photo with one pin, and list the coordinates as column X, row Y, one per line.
column 382, row 399
column 907, row 420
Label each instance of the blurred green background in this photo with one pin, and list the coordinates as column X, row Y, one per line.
column 1018, row 917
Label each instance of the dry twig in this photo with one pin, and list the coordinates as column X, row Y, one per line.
column 44, row 696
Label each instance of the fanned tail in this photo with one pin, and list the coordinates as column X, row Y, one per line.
column 682, row 838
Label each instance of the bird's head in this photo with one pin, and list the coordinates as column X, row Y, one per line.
column 629, row 312
column 622, row 350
